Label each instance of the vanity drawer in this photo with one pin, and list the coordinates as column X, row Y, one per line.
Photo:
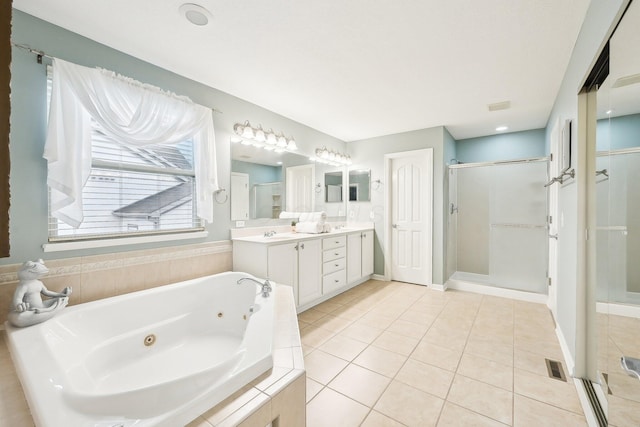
column 334, row 281
column 334, row 242
column 335, row 253
column 335, row 265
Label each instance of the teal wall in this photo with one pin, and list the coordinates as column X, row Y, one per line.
column 258, row 173
column 618, row 133
column 28, row 212
column 507, row 146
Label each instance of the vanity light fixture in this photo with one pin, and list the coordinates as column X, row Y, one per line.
column 323, row 155
column 258, row 137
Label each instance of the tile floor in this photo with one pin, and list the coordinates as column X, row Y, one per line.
column 617, row 337
column 395, row 354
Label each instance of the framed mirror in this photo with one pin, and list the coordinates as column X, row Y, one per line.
column 259, row 185
column 359, row 185
column 333, row 187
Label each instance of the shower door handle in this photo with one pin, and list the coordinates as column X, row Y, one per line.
column 553, row 236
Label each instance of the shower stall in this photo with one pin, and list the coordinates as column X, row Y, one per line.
column 266, row 200
column 497, row 224
column 618, row 225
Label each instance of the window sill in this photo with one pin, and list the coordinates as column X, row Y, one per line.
column 89, row 244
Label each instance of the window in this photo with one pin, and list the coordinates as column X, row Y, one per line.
column 133, row 190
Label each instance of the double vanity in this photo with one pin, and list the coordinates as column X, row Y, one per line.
column 317, row 266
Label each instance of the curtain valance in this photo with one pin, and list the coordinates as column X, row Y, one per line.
column 128, row 111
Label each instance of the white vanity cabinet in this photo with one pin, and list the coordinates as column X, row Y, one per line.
column 318, row 267
column 297, row 264
column 359, row 256
column 307, row 280
column 334, row 263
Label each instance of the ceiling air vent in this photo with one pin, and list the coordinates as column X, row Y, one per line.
column 499, row 106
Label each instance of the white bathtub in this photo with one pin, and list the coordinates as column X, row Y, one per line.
column 89, row 366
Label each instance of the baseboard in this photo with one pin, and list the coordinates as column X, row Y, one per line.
column 568, row 358
column 437, row 287
column 618, row 309
column 462, row 285
column 380, row 277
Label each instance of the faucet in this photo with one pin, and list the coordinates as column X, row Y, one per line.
column 266, row 286
column 269, row 233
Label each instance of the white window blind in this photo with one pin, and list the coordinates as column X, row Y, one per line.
column 134, row 190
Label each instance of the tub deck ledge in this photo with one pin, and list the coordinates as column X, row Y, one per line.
column 277, row 394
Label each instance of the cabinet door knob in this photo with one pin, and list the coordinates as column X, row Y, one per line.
column 336, row 280
column 301, row 245
column 337, row 265
column 336, row 253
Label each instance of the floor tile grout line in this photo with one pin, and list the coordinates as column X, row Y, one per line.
column 446, row 398
column 468, row 335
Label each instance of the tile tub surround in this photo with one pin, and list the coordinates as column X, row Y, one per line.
column 395, row 354
column 103, row 276
column 278, row 394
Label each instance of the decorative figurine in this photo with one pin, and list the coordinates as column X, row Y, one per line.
column 27, row 307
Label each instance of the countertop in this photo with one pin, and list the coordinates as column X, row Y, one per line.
column 291, row 237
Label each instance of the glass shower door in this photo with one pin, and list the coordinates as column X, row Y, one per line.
column 497, row 224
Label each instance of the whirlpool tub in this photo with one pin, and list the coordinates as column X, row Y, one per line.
column 159, row 357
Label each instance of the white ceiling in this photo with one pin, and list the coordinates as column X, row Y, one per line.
column 353, row 69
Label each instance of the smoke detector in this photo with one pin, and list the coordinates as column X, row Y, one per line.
column 195, row 14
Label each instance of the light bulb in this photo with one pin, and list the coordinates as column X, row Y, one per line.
column 260, row 136
column 248, row 131
column 271, row 137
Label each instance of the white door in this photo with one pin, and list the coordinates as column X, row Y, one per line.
column 309, row 271
column 299, row 194
column 555, row 169
column 354, row 257
column 282, row 265
column 367, row 253
column 411, row 199
column 239, row 196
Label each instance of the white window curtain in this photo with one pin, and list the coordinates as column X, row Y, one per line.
column 128, row 111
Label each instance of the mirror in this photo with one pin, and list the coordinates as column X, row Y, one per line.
column 333, row 186
column 359, row 185
column 617, row 200
column 259, row 185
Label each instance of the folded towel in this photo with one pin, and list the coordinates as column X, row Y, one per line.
column 309, row 227
column 290, row 215
column 313, row 217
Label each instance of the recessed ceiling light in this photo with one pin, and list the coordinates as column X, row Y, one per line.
column 608, row 112
column 501, row 128
column 195, row 14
